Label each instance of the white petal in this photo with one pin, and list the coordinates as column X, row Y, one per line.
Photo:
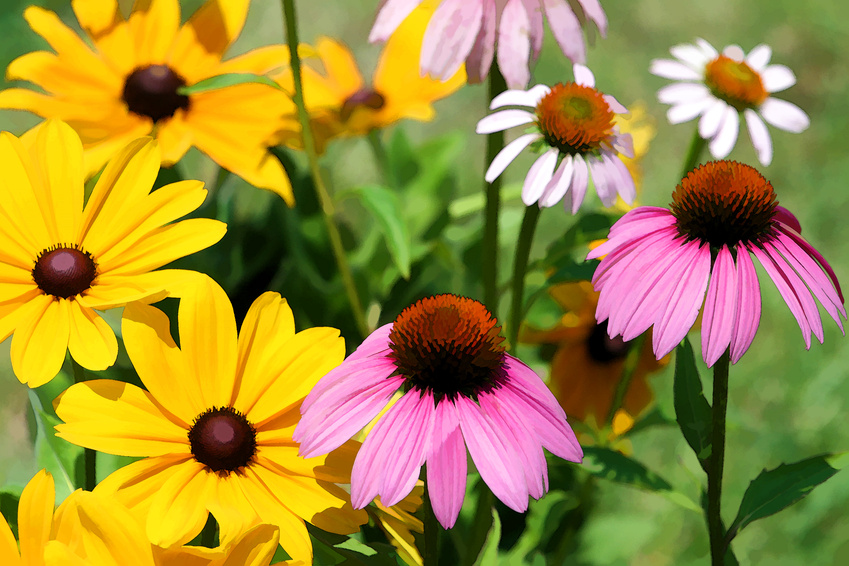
column 759, row 136
column 624, row 144
column 625, row 187
column 503, row 120
column 777, row 78
column 614, row 105
column 506, row 156
column 758, row 57
column 583, row 75
column 708, row 49
column 712, row 119
column 573, row 198
column 677, row 93
column 538, row 177
column 691, row 56
column 726, row 137
column 559, row 183
column 784, row 115
column 688, row 111
column 530, row 97
column 674, row 70
column 734, row 52
column 602, row 181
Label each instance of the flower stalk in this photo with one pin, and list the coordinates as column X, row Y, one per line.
column 694, row 153
column 630, row 368
column 494, row 144
column 89, row 455
column 520, row 266
column 717, row 460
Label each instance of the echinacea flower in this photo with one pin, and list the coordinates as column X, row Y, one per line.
column 340, row 103
column 461, row 390
column 215, row 423
column 126, row 84
column 720, row 87
column 658, row 264
column 62, row 261
column 468, row 30
column 572, row 125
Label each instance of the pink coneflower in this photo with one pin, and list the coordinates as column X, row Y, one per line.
column 460, row 390
column 720, row 87
column 573, row 124
column 658, row 262
column 468, row 30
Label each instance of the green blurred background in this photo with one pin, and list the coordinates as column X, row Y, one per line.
column 785, row 403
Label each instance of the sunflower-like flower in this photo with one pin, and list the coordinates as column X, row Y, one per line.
column 399, row 523
column 61, row 261
column 127, row 85
column 215, row 423
column 339, row 101
column 35, row 519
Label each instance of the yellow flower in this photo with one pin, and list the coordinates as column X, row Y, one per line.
column 216, row 422
column 125, row 87
column 399, row 523
column 60, row 261
column 640, row 125
column 35, row 519
column 341, row 104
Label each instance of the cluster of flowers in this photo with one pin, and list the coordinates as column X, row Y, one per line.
column 255, row 426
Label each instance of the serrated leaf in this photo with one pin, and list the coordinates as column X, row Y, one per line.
column 692, row 411
column 227, row 80
column 57, row 456
column 617, row 467
column 777, row 489
column 383, row 204
column 489, row 552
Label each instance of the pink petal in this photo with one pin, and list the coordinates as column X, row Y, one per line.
column 601, row 181
column 811, row 251
column 506, row 156
column 446, row 465
column 580, row 176
column 538, row 177
column 759, row 136
column 593, row 11
column 720, row 307
column 784, row 115
column 532, row 9
column 374, row 368
column 566, row 29
column 787, row 218
column 449, row 37
column 624, row 183
column 559, row 183
column 614, row 105
column 530, row 97
column 390, row 17
column 748, row 305
column 480, row 58
column 503, row 120
column 806, row 299
column 514, row 45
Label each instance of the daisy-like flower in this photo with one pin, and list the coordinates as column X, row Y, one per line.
column 720, row 87
column 35, row 519
column 468, row 30
column 461, row 390
column 572, row 125
column 62, row 261
column 658, row 264
column 127, row 84
column 399, row 523
column 215, row 423
column 340, row 103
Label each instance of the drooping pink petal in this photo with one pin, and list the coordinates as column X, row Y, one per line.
column 566, row 29
column 503, row 120
column 759, row 135
column 748, row 305
column 480, row 58
column 532, row 9
column 811, row 251
column 642, row 220
column 506, row 156
column 446, row 465
column 806, row 299
column 787, row 218
column 580, row 177
column 594, row 12
column 390, row 17
column 449, row 37
column 720, row 307
column 514, row 44
column 538, row 177
column 515, row 97
column 369, row 368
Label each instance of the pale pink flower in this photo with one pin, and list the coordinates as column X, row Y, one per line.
column 572, row 125
column 720, row 87
column 460, row 390
column 469, row 30
column 658, row 263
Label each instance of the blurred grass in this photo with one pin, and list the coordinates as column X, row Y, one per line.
column 786, row 403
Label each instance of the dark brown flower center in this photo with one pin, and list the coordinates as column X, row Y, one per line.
column 223, row 439
column 724, row 203
column 363, row 98
column 574, row 118
column 448, row 345
column 64, row 271
column 604, row 349
column 152, row 91
column 735, row 82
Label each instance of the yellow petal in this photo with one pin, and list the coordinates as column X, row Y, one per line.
column 333, row 467
column 118, row 418
column 104, row 24
column 175, row 138
column 268, row 59
column 179, row 508
column 8, row 545
column 187, row 556
column 135, row 484
column 201, row 43
column 153, row 25
column 231, row 508
column 35, row 517
column 91, row 343
column 340, row 65
column 15, row 311
column 255, row 548
column 110, row 291
column 40, row 343
column 160, row 364
column 58, row 554
column 59, row 158
column 102, row 144
column 15, row 275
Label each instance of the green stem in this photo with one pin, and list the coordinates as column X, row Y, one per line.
column 574, row 520
column 482, row 524
column 694, row 153
column 382, row 158
column 432, row 528
column 520, row 265
column 489, row 244
column 628, row 371
column 324, row 197
column 89, row 456
column 717, row 461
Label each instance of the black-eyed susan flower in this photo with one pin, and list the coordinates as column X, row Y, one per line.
column 35, row 520
column 721, row 86
column 399, row 523
column 62, row 261
column 341, row 103
column 123, row 81
column 461, row 390
column 215, row 423
column 573, row 127
column 660, row 266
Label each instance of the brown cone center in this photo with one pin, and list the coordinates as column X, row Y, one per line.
column 64, row 271
column 223, row 439
column 152, row 92
column 604, row 349
column 363, row 98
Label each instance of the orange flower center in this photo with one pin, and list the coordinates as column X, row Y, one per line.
column 223, row 439
column 448, row 345
column 574, row 118
column 64, row 271
column 724, row 203
column 363, row 98
column 152, row 92
column 735, row 82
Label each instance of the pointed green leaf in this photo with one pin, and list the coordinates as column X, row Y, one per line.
column 489, row 552
column 615, row 466
column 57, row 456
column 227, row 80
column 386, row 209
column 775, row 489
column 691, row 408
column 9, row 499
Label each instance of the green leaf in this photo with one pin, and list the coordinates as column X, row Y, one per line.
column 570, row 270
column 386, row 209
column 691, row 408
column 9, row 499
column 776, row 489
column 54, row 454
column 615, row 466
column 227, row 80
column 588, row 227
column 489, row 552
